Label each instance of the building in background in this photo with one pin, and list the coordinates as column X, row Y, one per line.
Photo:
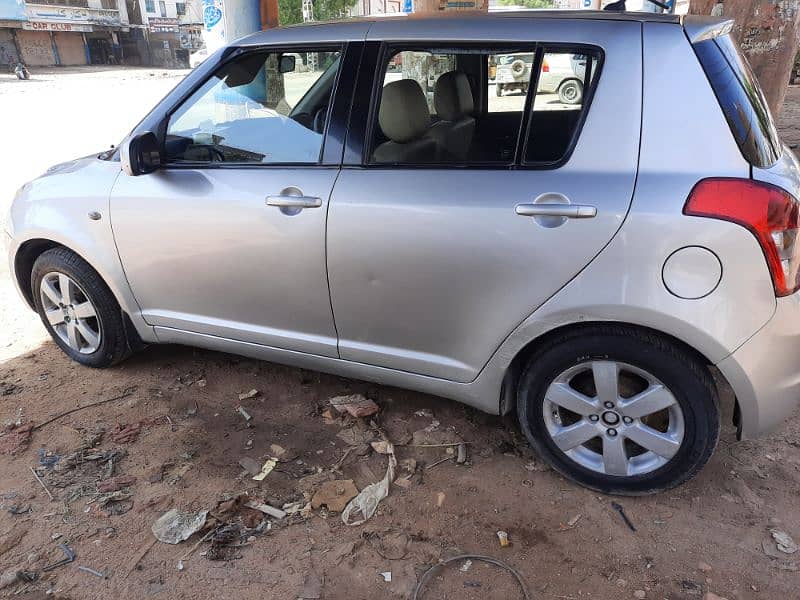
column 174, row 28
column 12, row 17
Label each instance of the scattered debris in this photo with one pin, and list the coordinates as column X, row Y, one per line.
column 277, row 513
column 704, row 567
column 570, row 524
column 19, row 509
column 248, row 395
column 640, row 594
column 128, row 392
column 440, row 496
column 246, row 415
column 47, row 458
column 9, row 389
column 41, row 483
column 175, row 526
column 69, row 556
column 251, row 465
column 461, row 458
column 382, row 447
column 784, row 542
column 115, row 483
column 475, row 557
column 618, row 507
column 392, row 546
column 126, row 434
column 266, row 469
column 367, row 501
column 438, row 462
column 425, row 413
column 466, row 566
column 335, row 495
column 387, row 576
column 357, row 405
column 92, row 572
column 503, row 537
column 353, row 436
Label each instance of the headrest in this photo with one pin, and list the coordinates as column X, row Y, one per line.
column 404, row 114
column 452, row 96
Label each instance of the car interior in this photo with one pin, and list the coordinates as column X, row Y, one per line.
column 457, row 120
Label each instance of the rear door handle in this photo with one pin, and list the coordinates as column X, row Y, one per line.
column 287, row 201
column 567, row 211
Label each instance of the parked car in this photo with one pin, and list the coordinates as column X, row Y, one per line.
column 561, row 74
column 513, row 72
column 590, row 273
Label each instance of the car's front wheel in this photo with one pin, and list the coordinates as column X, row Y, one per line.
column 619, row 410
column 78, row 310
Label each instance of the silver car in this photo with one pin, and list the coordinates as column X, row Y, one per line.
column 589, row 267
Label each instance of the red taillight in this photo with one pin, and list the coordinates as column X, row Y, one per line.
column 770, row 213
column 545, row 66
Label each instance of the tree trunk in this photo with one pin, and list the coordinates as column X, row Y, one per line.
column 768, row 33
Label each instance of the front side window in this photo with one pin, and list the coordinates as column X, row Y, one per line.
column 263, row 107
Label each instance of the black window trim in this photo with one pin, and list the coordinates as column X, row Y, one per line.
column 388, row 47
column 594, row 70
column 333, row 151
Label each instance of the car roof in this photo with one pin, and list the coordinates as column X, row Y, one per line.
column 356, row 28
column 412, row 25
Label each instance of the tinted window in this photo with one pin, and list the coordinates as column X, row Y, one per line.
column 559, row 107
column 508, row 89
column 741, row 99
column 263, row 107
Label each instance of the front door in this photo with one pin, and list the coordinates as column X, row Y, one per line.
column 437, row 253
column 228, row 239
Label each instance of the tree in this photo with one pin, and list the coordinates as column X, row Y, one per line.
column 529, row 3
column 291, row 11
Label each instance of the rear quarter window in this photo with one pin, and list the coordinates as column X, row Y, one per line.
column 741, row 100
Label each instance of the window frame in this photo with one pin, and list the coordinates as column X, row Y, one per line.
column 387, row 48
column 182, row 10
column 594, row 75
column 147, row 4
column 329, row 154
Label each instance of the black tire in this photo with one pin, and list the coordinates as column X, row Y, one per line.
column 570, row 92
column 684, row 375
column 498, row 89
column 113, row 346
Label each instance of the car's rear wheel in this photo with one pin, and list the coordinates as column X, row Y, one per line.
column 498, row 89
column 78, row 310
column 619, row 410
column 570, row 92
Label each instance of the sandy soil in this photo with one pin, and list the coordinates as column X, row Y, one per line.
column 711, row 536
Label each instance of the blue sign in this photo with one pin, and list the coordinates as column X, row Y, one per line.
column 408, row 6
column 211, row 16
column 587, row 3
column 12, row 10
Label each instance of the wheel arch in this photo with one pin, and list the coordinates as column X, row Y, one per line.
column 514, row 370
column 26, row 256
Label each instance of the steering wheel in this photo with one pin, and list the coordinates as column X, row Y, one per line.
column 320, row 117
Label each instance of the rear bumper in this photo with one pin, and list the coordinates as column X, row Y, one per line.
column 765, row 371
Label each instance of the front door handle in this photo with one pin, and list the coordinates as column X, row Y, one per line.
column 290, row 201
column 567, row 211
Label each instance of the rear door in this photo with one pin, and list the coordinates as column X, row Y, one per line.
column 433, row 262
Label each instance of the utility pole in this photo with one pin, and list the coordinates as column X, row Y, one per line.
column 227, row 20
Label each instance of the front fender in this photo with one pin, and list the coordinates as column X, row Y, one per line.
column 55, row 208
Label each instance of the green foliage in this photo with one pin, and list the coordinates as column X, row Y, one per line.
column 291, row 11
column 528, row 3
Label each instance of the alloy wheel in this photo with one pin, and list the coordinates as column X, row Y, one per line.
column 70, row 313
column 613, row 418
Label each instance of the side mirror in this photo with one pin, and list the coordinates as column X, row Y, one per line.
column 287, row 63
column 140, row 154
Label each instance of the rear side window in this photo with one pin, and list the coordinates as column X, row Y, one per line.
column 741, row 99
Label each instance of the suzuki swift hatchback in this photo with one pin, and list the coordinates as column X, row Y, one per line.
column 356, row 198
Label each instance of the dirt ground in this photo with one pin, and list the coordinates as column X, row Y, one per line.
column 710, row 536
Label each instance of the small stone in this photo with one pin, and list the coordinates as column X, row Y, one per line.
column 704, row 567
column 621, row 583
column 640, row 594
column 251, row 539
